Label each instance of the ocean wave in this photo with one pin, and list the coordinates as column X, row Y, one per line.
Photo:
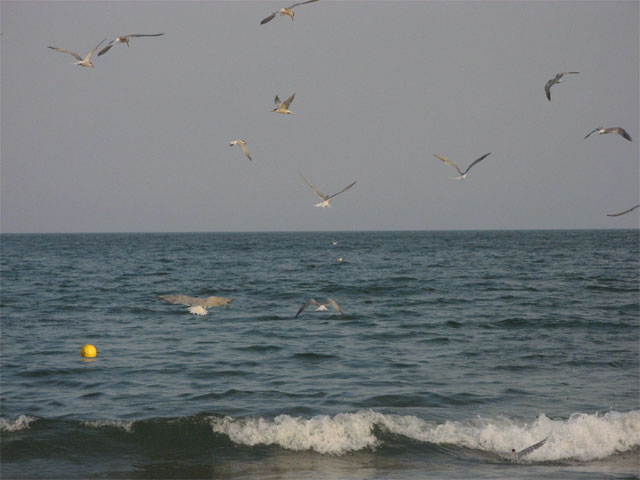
column 582, row 437
column 20, row 423
column 126, row 425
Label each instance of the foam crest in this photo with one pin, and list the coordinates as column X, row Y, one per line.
column 583, row 437
column 125, row 425
column 20, row 423
column 323, row 434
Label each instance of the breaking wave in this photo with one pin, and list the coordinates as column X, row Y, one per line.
column 582, row 436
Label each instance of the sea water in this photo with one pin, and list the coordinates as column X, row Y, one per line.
column 455, row 348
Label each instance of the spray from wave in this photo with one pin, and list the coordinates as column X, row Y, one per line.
column 582, row 436
column 20, row 423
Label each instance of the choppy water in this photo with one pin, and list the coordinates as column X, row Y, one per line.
column 456, row 347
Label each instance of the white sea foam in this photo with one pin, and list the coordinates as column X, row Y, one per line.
column 20, row 423
column 583, row 436
column 126, row 425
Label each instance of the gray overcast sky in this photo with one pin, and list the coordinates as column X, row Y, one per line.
column 141, row 142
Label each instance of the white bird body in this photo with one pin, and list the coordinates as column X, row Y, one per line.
column 198, row 310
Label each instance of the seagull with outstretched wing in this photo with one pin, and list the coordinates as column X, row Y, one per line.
column 243, row 145
column 602, row 131
column 82, row 62
column 125, row 39
column 326, row 199
column 463, row 175
column 285, row 11
column 283, row 107
column 321, row 306
column 197, row 306
column 553, row 81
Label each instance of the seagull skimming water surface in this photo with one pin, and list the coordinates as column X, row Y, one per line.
column 321, row 306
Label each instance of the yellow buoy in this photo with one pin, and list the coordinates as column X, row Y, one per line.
column 89, row 351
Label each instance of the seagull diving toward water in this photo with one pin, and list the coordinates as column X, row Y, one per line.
column 527, row 450
column 125, row 39
column 285, row 11
column 83, row 62
column 326, row 199
column 283, row 107
column 321, row 306
column 623, row 213
column 197, row 306
column 553, row 81
column 602, row 130
column 463, row 175
column 243, row 145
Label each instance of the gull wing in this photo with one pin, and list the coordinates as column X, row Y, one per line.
column 547, row 87
column 344, row 189
column 476, row 161
column 277, row 101
column 622, row 131
column 622, row 213
column 94, row 50
column 446, row 160
column 67, row 51
column 592, row 131
column 318, row 192
column 530, row 449
column 302, row 3
column 106, row 49
column 286, row 103
column 306, row 304
column 244, row 148
column 213, row 301
column 269, row 18
column 134, row 35
column 335, row 305
column 181, row 299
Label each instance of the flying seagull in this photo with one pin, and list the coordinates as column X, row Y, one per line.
column 622, row 213
column 83, row 62
column 321, row 306
column 553, row 81
column 125, row 39
column 285, row 11
column 463, row 175
column 326, row 199
column 602, row 130
column 243, row 145
column 283, row 107
column 197, row 306
column 528, row 450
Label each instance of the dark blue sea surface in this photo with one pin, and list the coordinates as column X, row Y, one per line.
column 455, row 348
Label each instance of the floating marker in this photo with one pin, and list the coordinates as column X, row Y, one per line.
column 89, row 351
